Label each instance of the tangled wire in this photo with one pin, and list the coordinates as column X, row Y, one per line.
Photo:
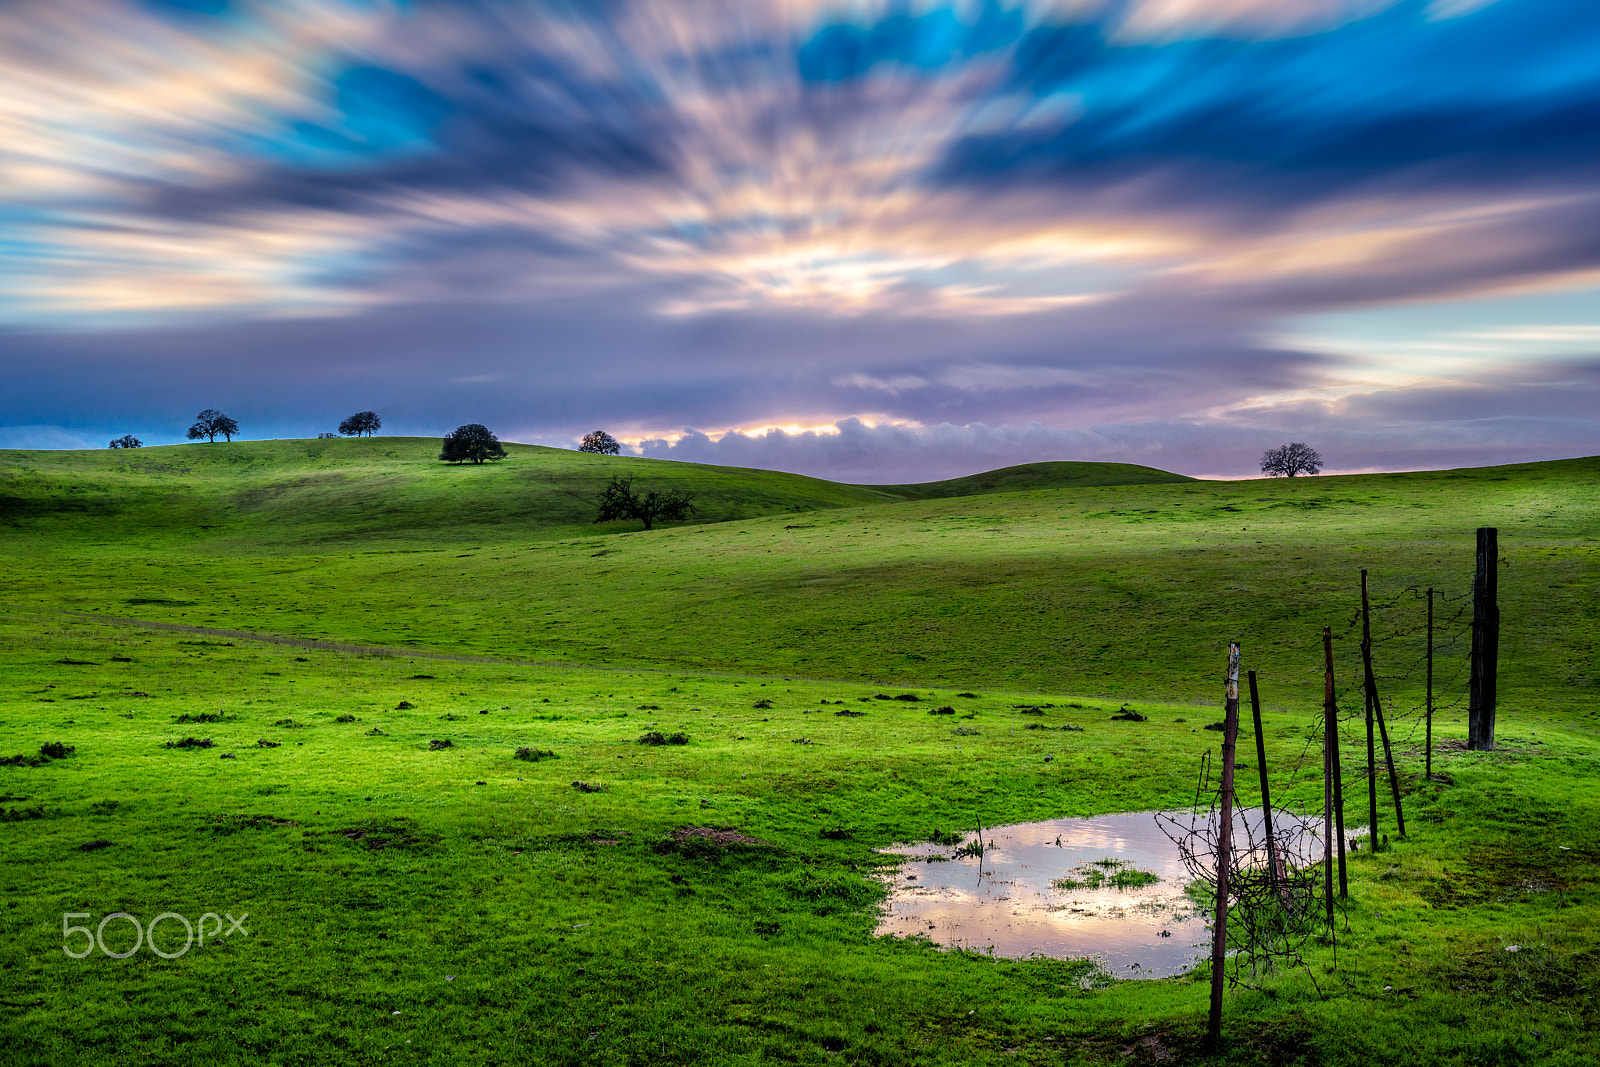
column 1272, row 884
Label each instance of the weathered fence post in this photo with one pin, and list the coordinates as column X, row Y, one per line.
column 1219, row 934
column 1327, row 781
column 1485, row 642
column 1376, row 706
column 1266, row 794
column 1330, row 744
column 1372, row 754
column 1427, row 765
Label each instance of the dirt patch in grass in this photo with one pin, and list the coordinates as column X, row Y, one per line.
column 656, row 737
column 394, row 834
column 1497, row 873
column 22, row 814
column 721, row 836
column 50, row 750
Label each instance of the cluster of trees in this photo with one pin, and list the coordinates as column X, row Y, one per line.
column 361, row 424
column 212, row 424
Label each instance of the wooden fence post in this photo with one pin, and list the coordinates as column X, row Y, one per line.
column 1376, row 707
column 1427, row 773
column 1485, row 642
column 1372, row 754
column 1327, row 776
column 1266, row 794
column 1335, row 827
column 1219, row 934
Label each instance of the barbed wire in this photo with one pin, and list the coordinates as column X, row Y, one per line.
column 1271, row 902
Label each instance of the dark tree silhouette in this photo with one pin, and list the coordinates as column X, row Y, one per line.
column 361, row 423
column 127, row 440
column 327, row 435
column 619, row 501
column 1291, row 459
column 471, row 443
column 211, row 422
column 600, row 442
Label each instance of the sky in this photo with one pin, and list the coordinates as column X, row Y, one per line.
column 878, row 241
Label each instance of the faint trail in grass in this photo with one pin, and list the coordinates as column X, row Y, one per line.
column 329, row 646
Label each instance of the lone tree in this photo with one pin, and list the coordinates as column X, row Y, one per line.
column 362, row 423
column 127, row 440
column 472, row 442
column 1291, row 459
column 600, row 442
column 619, row 501
column 211, row 422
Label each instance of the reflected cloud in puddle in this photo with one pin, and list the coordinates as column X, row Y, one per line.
column 1007, row 900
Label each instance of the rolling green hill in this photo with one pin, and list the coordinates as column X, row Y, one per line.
column 326, row 492
column 1121, row 590
column 1055, row 475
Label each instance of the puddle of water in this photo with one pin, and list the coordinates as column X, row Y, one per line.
column 1005, row 899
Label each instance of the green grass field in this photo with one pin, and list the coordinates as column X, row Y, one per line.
column 416, row 902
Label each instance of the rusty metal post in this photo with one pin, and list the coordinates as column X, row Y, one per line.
column 1266, row 794
column 1219, row 934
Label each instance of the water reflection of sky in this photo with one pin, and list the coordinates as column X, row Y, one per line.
column 1007, row 901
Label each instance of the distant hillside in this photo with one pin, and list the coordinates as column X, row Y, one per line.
column 369, row 489
column 365, row 490
column 1053, row 475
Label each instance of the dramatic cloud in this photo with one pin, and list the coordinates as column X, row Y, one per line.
column 947, row 234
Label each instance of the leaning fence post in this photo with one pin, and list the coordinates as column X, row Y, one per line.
column 1427, row 772
column 1266, row 795
column 1219, row 935
column 1375, row 707
column 1372, row 755
column 1330, row 743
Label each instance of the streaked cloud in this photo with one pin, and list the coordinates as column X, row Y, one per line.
column 651, row 214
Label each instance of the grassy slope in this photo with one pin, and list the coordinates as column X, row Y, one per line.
column 1114, row 590
column 1107, row 590
column 283, row 495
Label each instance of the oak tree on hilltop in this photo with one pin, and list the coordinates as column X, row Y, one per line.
column 211, row 422
column 600, row 443
column 471, row 443
column 362, row 423
column 127, row 440
column 1291, row 459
